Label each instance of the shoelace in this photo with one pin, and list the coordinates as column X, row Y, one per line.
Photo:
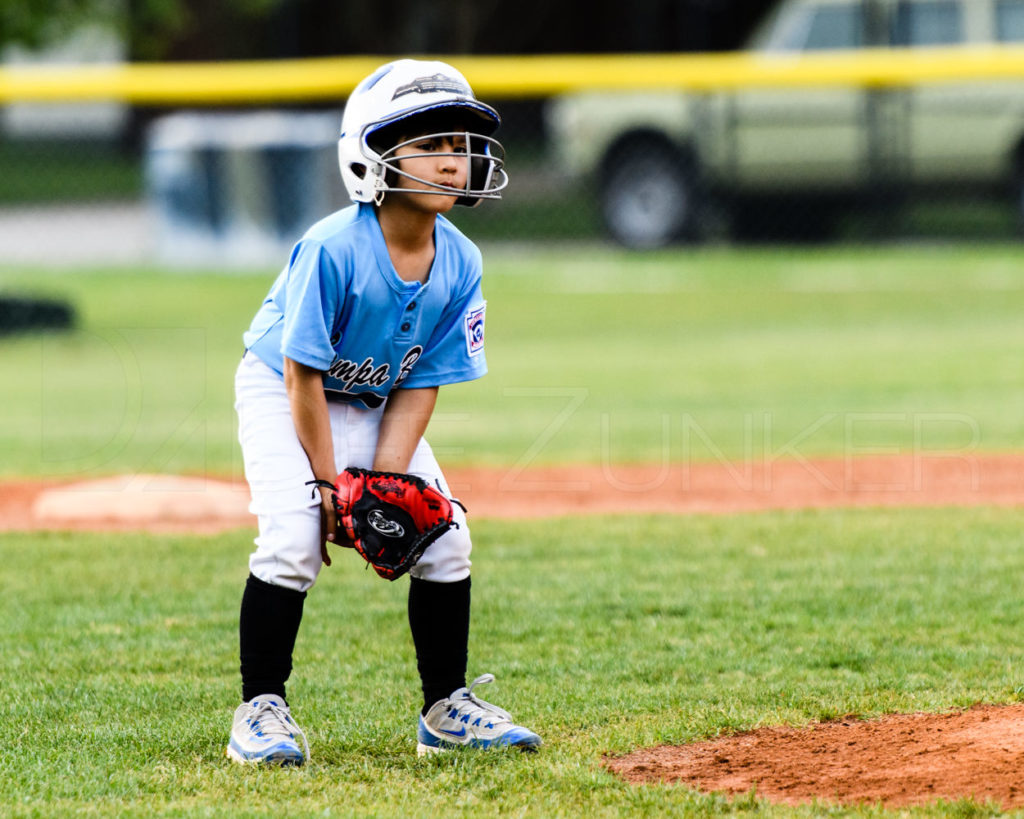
column 275, row 720
column 472, row 705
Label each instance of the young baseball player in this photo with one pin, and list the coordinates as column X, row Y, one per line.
column 379, row 305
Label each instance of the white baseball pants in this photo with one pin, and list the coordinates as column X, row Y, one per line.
column 288, row 546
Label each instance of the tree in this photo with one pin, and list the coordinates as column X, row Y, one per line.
column 36, row 23
column 253, row 29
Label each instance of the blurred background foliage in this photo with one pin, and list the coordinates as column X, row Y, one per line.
column 250, row 29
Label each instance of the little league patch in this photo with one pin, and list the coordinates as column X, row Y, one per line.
column 475, row 330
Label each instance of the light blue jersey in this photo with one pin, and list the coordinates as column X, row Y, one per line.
column 340, row 307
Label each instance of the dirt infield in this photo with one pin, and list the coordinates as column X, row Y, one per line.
column 203, row 504
column 897, row 761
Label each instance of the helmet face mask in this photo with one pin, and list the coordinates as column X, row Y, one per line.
column 485, row 172
column 403, row 103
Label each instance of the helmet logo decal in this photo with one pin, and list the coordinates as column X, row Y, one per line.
column 432, row 84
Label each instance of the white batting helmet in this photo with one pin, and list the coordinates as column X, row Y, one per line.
column 431, row 92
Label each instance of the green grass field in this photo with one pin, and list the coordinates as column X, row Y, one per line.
column 595, row 355
column 606, row 634
column 119, row 669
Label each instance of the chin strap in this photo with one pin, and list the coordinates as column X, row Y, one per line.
column 379, row 189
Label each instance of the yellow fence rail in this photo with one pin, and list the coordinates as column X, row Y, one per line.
column 504, row 77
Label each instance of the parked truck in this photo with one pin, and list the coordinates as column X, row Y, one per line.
column 679, row 165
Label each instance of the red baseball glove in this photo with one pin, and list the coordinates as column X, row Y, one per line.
column 388, row 517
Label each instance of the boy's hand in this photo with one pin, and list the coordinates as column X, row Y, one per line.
column 328, row 520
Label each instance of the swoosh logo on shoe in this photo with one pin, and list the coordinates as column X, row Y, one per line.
column 460, row 733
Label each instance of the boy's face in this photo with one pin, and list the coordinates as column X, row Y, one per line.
column 436, row 159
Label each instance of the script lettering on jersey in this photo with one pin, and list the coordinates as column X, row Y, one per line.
column 408, row 360
column 368, row 373
column 360, row 375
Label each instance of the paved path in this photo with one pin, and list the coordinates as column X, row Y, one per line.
column 77, row 235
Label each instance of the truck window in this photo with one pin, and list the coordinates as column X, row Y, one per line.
column 1010, row 21
column 833, row 27
column 928, row 24
column 809, row 28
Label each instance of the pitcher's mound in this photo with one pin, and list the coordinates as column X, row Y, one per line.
column 898, row 761
column 160, row 502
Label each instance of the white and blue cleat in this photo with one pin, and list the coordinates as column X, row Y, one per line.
column 465, row 721
column 264, row 732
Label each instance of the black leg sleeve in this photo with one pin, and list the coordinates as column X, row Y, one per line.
column 268, row 625
column 439, row 620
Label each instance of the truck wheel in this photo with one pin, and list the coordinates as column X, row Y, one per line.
column 649, row 196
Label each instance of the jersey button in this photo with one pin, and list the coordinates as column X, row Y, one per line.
column 405, row 327
column 412, row 306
